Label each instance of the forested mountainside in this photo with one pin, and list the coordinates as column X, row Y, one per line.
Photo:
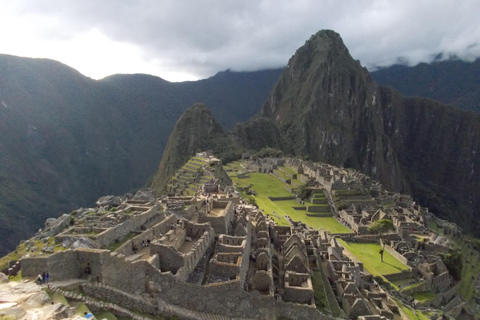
column 68, row 139
column 452, row 81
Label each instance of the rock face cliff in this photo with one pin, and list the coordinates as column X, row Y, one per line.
column 329, row 109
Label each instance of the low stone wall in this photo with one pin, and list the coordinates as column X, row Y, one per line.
column 280, row 198
column 395, row 254
column 424, row 286
column 105, row 238
column 155, row 232
column 318, row 208
column 405, row 274
column 121, row 298
column 299, row 208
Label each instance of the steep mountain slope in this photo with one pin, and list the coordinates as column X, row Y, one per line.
column 328, row 108
column 452, row 81
column 67, row 139
column 196, row 130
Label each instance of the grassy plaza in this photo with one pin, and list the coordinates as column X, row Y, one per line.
column 266, row 186
column 368, row 253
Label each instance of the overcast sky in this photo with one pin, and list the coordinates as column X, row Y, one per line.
column 193, row 39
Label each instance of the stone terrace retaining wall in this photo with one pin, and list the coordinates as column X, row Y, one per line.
column 121, row 298
column 396, row 254
column 121, row 230
column 155, row 232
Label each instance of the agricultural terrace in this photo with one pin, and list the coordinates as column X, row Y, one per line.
column 368, row 254
column 266, row 186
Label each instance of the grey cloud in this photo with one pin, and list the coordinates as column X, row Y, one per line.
column 204, row 37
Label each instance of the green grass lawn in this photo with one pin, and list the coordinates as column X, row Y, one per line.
column 368, row 253
column 423, row 296
column 266, row 185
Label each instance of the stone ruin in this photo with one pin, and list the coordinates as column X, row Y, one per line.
column 212, row 254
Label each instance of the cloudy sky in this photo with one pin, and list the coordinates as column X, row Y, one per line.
column 193, row 39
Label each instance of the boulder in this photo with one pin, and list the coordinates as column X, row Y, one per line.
column 3, row 278
column 57, row 226
column 84, row 242
column 49, row 222
column 110, row 201
column 14, row 312
column 37, row 300
column 48, row 249
column 145, row 195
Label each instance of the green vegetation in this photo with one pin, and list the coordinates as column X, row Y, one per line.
column 82, row 308
column 423, row 296
column 16, row 278
column 454, row 262
column 321, row 300
column 368, row 253
column 59, row 298
column 411, row 314
column 471, row 267
column 381, row 226
column 303, row 192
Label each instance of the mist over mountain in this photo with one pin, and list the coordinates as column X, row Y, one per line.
column 68, row 139
column 452, row 81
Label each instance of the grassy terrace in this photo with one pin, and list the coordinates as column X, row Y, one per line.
column 287, row 170
column 232, row 166
column 269, row 186
column 368, row 253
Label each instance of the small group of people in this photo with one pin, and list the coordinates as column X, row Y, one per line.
column 43, row 278
column 145, row 244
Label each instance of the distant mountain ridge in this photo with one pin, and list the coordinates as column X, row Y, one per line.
column 67, row 139
column 452, row 81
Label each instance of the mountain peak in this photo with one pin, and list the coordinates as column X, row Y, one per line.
column 196, row 130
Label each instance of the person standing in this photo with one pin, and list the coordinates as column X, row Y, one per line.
column 47, row 278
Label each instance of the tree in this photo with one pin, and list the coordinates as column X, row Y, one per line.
column 381, row 226
column 303, row 192
column 453, row 260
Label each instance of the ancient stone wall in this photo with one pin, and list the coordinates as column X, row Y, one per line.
column 119, row 297
column 170, row 259
column 67, row 264
column 155, row 232
column 105, row 238
column 298, row 294
column 192, row 258
column 395, row 254
column 133, row 277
